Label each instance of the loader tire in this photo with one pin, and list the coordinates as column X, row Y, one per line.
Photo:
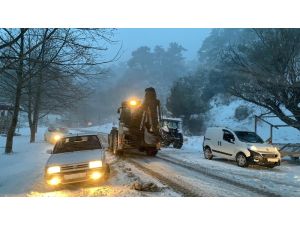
column 151, row 151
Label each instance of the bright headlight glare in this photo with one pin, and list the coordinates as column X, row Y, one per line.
column 54, row 181
column 253, row 148
column 133, row 102
column 95, row 164
column 96, row 175
column 53, row 169
column 57, row 137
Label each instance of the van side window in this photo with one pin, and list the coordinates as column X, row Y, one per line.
column 228, row 136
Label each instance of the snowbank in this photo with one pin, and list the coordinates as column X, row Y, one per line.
column 21, row 169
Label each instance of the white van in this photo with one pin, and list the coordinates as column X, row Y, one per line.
column 244, row 147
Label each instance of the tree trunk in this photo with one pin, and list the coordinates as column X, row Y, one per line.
column 32, row 134
column 14, row 122
column 36, row 110
column 30, row 122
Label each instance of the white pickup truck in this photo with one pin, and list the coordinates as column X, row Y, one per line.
column 76, row 158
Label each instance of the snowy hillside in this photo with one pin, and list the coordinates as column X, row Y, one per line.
column 223, row 115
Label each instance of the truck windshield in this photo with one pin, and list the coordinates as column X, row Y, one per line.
column 171, row 124
column 250, row 137
column 78, row 143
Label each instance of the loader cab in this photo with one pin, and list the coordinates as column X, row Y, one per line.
column 130, row 112
column 125, row 114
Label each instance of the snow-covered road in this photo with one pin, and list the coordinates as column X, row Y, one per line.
column 21, row 174
column 283, row 180
column 189, row 182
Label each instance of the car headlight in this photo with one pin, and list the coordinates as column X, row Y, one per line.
column 95, row 164
column 53, row 169
column 254, row 153
column 252, row 148
column 54, row 181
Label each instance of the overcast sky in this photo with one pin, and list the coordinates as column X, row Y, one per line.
column 131, row 39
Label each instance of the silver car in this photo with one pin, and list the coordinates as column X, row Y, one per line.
column 76, row 158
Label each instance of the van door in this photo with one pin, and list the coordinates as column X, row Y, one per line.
column 227, row 144
column 215, row 142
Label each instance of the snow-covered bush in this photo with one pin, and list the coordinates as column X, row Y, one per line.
column 242, row 112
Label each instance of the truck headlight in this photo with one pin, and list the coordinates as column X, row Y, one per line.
column 133, row 103
column 57, row 137
column 95, row 164
column 53, row 169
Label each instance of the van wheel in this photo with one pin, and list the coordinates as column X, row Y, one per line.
column 241, row 160
column 208, row 153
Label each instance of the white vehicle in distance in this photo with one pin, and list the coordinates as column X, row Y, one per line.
column 54, row 134
column 244, row 147
column 76, row 158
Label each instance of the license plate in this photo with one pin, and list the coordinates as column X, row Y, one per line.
column 272, row 160
column 74, row 176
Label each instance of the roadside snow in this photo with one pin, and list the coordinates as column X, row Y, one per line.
column 20, row 169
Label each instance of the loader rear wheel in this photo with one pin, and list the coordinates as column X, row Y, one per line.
column 151, row 152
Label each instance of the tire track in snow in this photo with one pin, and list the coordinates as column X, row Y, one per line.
column 205, row 171
column 163, row 179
